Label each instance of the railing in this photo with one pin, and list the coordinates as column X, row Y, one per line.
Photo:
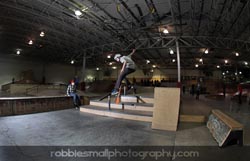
column 37, row 88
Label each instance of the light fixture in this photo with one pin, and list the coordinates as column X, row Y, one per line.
column 109, row 56
column 110, row 63
column 237, row 54
column 226, row 61
column 97, row 68
column 152, row 70
column 42, row 34
column 206, row 51
column 18, row 51
column 200, row 60
column 85, row 9
column 114, row 67
column 246, row 63
column 227, row 71
column 78, row 13
column 30, row 42
column 223, row 73
column 165, row 31
column 218, row 66
column 72, row 62
column 171, row 51
column 147, row 61
column 240, row 72
column 235, row 74
column 154, row 66
column 196, row 65
column 173, row 60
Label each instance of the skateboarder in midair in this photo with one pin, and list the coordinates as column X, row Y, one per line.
column 127, row 68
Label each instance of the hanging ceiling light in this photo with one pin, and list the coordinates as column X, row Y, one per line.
column 78, row 13
column 85, row 9
column 165, row 31
column 173, row 60
column 97, row 68
column 30, row 42
column 206, row 51
column 226, row 61
column 18, row 51
column 171, row 51
column 147, row 61
column 237, row 54
column 196, row 65
column 72, row 62
column 42, row 34
column 218, row 66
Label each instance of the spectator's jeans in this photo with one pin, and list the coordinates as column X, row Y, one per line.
column 122, row 76
column 76, row 98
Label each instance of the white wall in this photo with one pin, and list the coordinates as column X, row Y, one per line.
column 58, row 73
column 11, row 68
column 54, row 73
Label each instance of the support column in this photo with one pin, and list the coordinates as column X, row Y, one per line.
column 178, row 62
column 43, row 74
column 83, row 66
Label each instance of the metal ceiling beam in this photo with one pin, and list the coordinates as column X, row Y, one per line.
column 236, row 18
column 191, row 42
column 129, row 10
column 220, row 16
column 200, row 17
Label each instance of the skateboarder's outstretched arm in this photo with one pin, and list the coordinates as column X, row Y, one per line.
column 133, row 51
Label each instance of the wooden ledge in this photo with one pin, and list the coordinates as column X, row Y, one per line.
column 230, row 122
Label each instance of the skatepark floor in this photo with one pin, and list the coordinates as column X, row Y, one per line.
column 74, row 128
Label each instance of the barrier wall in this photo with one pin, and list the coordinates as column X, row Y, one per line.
column 26, row 105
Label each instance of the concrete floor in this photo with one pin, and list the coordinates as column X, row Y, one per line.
column 73, row 128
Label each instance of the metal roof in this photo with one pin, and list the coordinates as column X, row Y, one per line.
column 110, row 26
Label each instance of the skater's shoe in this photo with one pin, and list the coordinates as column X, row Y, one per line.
column 114, row 92
column 130, row 87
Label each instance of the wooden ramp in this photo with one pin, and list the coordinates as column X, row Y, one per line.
column 166, row 108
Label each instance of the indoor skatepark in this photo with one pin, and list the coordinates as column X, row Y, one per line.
column 189, row 98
